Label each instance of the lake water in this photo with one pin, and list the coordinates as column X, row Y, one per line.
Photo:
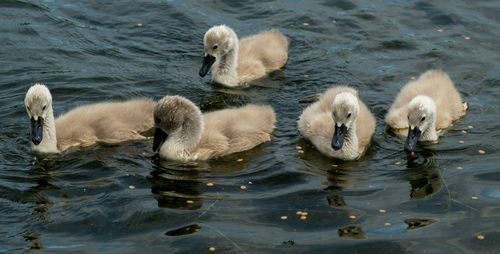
column 91, row 51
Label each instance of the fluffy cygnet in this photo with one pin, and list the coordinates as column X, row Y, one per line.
column 237, row 62
column 108, row 122
column 338, row 124
column 184, row 133
column 425, row 106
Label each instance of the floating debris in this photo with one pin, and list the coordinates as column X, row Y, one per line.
column 480, row 237
column 461, row 141
column 435, row 142
column 467, row 37
column 397, row 163
column 243, row 187
column 210, row 184
column 211, row 249
column 440, row 30
column 387, row 224
column 303, row 217
column 239, row 160
column 189, row 201
column 412, row 153
column 335, row 165
column 382, row 211
column 284, row 217
column 306, row 24
column 300, row 151
column 481, row 151
column 464, row 131
column 298, row 147
column 459, row 168
column 306, row 76
column 470, row 127
column 413, row 78
column 305, row 213
column 139, row 25
column 475, row 198
column 352, row 217
column 298, row 213
column 131, row 187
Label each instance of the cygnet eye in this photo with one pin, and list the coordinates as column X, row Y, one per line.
column 44, row 106
column 348, row 115
column 215, row 47
column 423, row 119
column 158, row 120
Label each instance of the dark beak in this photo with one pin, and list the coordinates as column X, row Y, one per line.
column 36, row 130
column 338, row 137
column 159, row 138
column 411, row 140
column 208, row 61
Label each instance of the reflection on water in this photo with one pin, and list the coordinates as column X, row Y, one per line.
column 423, row 175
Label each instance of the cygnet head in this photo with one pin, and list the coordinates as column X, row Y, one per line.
column 421, row 116
column 345, row 110
column 172, row 114
column 38, row 102
column 218, row 41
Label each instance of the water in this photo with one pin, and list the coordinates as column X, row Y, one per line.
column 90, row 51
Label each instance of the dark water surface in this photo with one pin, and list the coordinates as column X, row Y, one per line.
column 90, row 51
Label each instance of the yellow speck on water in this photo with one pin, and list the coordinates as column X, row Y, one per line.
column 460, row 168
column 387, row 224
column 382, row 211
column 300, row 151
column 480, row 237
column 467, row 37
column 239, row 160
column 352, row 217
column 413, row 78
column 139, row 24
column 461, row 141
column 189, row 201
column 303, row 217
column 440, row 30
column 210, row 184
column 435, row 142
column 475, row 198
column 464, row 131
column 412, row 153
column 243, row 187
column 299, row 147
column 284, row 217
column 306, row 24
column 470, row 126
column 212, row 249
column 131, row 187
column 335, row 165
column 305, row 213
column 299, row 213
column 306, row 76
column 481, row 151
column 397, row 163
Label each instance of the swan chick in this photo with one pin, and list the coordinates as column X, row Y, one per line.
column 425, row 106
column 235, row 62
column 109, row 122
column 184, row 133
column 338, row 124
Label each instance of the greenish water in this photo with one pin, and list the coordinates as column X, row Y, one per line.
column 90, row 51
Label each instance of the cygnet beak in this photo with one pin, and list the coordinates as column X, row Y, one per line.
column 36, row 130
column 338, row 136
column 159, row 138
column 208, row 61
column 411, row 140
